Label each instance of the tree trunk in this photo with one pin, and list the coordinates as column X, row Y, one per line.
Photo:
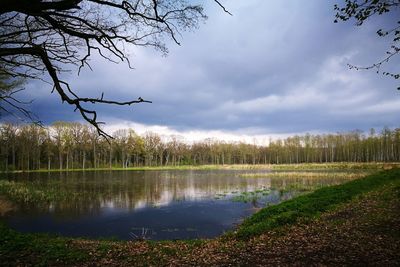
column 83, row 160
column 110, row 159
column 60, row 159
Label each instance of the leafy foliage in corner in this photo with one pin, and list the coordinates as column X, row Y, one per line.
column 362, row 11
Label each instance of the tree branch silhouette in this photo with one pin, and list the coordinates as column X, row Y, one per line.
column 45, row 38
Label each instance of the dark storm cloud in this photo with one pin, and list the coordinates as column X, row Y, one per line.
column 273, row 67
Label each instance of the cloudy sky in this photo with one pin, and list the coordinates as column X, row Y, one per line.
column 274, row 68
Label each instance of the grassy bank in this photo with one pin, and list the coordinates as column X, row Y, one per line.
column 329, row 226
column 287, row 167
column 18, row 249
column 306, row 207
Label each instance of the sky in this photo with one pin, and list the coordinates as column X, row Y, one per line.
column 273, row 69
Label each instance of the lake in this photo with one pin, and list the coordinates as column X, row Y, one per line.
column 156, row 205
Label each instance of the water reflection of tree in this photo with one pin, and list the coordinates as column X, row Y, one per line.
column 83, row 193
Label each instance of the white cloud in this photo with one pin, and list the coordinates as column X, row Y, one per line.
column 273, row 67
column 249, row 135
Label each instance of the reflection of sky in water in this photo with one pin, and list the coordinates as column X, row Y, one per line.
column 136, row 190
column 180, row 220
column 192, row 192
column 171, row 204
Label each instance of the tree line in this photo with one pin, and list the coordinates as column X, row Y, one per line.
column 66, row 145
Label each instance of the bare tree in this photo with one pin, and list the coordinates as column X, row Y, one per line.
column 361, row 11
column 40, row 39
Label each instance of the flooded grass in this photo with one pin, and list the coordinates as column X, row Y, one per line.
column 21, row 192
column 337, row 166
column 308, row 174
column 369, row 236
column 32, row 192
column 248, row 197
column 311, row 205
column 296, row 182
column 156, row 200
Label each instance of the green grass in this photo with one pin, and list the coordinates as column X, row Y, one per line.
column 336, row 166
column 150, row 168
column 20, row 192
column 32, row 192
column 308, row 174
column 309, row 206
column 50, row 250
column 302, row 166
column 36, row 249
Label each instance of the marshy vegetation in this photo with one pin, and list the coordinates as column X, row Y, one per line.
column 298, row 181
column 311, row 205
column 316, row 221
column 308, row 174
column 215, row 197
column 145, row 202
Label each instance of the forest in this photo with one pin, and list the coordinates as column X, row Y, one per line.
column 66, row 146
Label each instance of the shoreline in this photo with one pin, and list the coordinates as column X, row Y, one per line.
column 270, row 223
column 294, row 166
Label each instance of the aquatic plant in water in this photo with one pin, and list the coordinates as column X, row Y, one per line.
column 307, row 174
column 21, row 192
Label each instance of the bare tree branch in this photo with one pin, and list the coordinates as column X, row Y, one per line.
column 43, row 37
column 361, row 11
column 216, row 1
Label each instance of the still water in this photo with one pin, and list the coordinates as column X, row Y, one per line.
column 155, row 205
